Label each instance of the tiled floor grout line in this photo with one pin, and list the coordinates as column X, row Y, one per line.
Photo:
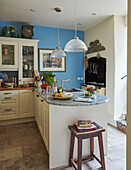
column 32, row 157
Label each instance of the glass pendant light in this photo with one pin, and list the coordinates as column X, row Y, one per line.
column 58, row 52
column 75, row 45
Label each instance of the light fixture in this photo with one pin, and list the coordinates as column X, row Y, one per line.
column 75, row 45
column 58, row 52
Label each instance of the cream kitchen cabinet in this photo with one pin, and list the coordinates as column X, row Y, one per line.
column 19, row 54
column 36, row 106
column 41, row 123
column 46, row 125
column 42, row 118
column 15, row 104
column 26, row 103
column 8, row 54
column 27, row 60
column 9, row 105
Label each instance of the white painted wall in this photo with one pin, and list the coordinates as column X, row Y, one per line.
column 129, row 90
column 120, row 31
column 112, row 34
column 104, row 32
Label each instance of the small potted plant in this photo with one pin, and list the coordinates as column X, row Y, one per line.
column 47, row 79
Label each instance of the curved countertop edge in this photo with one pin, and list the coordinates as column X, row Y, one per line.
column 100, row 99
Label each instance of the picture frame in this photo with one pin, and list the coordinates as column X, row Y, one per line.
column 46, row 63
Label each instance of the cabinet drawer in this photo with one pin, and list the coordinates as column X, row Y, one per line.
column 9, row 101
column 8, row 93
column 9, row 113
column 9, row 98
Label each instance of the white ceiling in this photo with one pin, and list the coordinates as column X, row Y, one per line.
column 44, row 15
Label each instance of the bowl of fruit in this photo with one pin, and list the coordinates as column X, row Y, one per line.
column 90, row 95
column 62, row 96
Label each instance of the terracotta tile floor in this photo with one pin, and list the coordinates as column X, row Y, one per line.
column 22, row 148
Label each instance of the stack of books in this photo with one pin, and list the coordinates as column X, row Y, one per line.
column 84, row 125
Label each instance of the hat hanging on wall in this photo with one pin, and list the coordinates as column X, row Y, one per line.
column 95, row 46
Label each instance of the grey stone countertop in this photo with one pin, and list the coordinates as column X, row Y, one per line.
column 98, row 100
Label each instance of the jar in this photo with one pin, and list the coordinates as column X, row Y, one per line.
column 47, row 90
column 25, row 66
column 5, row 50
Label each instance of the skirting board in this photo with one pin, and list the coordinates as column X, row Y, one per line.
column 111, row 120
column 16, row 121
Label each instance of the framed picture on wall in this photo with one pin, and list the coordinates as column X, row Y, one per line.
column 46, row 63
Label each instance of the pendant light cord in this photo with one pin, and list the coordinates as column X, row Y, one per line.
column 58, row 29
column 75, row 21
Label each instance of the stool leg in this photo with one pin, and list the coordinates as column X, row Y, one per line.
column 92, row 147
column 72, row 140
column 79, row 154
column 101, row 151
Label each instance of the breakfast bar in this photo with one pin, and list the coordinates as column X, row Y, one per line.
column 61, row 114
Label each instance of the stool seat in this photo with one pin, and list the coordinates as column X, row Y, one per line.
column 80, row 135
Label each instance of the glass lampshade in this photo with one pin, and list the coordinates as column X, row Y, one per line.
column 75, row 45
column 58, row 52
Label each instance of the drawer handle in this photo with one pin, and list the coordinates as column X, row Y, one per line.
column 42, row 100
column 7, row 110
column 7, row 93
column 7, row 97
column 37, row 95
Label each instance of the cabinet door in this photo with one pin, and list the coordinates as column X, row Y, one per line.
column 43, row 121
column 26, row 103
column 36, row 107
column 46, row 125
column 8, row 55
column 28, row 60
column 42, row 117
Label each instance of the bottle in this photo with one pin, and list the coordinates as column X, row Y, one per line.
column 54, row 85
column 0, row 83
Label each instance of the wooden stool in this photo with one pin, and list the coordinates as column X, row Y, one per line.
column 84, row 135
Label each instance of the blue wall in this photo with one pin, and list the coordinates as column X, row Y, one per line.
column 48, row 40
